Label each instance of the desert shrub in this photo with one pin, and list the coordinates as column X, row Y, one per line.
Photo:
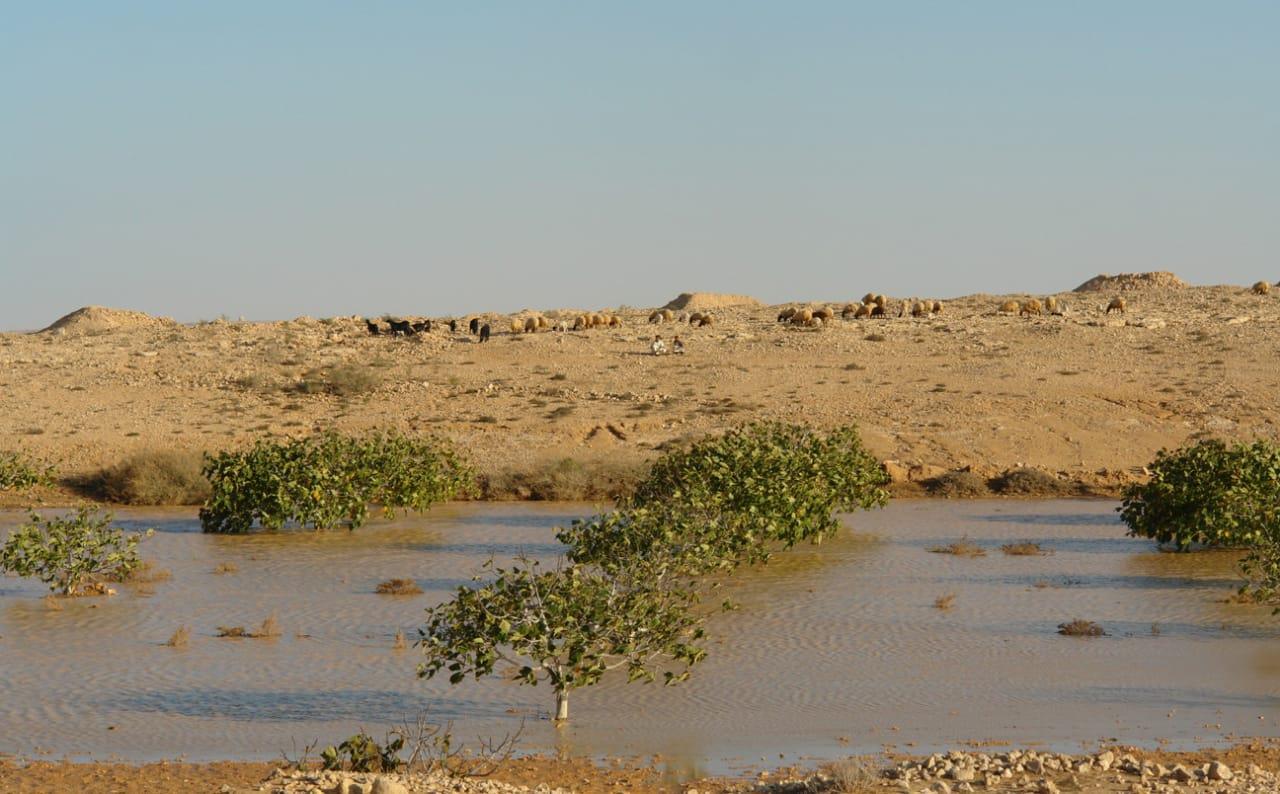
column 945, row 601
column 327, row 479
column 343, row 380
column 18, row 472
column 957, row 484
column 360, row 753
column 69, row 553
column 1024, row 549
column 566, row 479
column 180, row 637
column 1208, row 493
column 156, row 477
column 1026, row 481
column 961, row 548
column 1081, row 628
column 399, row 587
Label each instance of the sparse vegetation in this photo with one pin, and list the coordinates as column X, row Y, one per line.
column 944, row 602
column 73, row 552
column 1081, row 628
column 180, row 638
column 224, row 568
column 399, row 587
column 269, row 629
column 851, row 776
column 342, row 380
column 360, row 753
column 328, row 479
column 154, row 477
column 961, row 548
column 1024, row 549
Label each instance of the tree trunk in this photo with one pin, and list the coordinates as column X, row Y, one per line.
column 562, row 705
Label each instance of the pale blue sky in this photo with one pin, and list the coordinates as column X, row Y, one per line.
column 271, row 159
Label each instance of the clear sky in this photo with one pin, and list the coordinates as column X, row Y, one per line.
column 271, row 159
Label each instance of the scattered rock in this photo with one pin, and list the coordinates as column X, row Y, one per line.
column 1160, row 279
column 1220, row 771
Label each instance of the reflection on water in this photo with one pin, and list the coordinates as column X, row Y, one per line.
column 836, row 649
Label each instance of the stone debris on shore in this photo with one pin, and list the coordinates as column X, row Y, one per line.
column 433, row 782
column 1044, row 773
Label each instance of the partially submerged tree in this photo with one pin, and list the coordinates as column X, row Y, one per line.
column 566, row 626
column 329, row 479
column 69, row 552
column 731, row 499
column 1208, row 493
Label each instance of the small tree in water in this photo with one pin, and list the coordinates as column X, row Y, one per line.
column 566, row 627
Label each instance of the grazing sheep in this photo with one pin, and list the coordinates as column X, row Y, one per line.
column 1009, row 307
column 484, row 332
column 786, row 314
column 372, row 327
column 1118, row 305
column 705, row 321
column 825, row 313
column 531, row 325
column 877, row 310
column 615, row 321
column 1059, row 308
column 579, row 322
column 474, row 325
column 517, row 325
column 695, row 318
column 1051, row 305
column 870, row 297
column 879, row 300
column 668, row 315
column 920, row 309
column 937, row 307
column 1033, row 306
column 1261, row 288
column 802, row 317
column 849, row 310
column 656, row 317
column 863, row 310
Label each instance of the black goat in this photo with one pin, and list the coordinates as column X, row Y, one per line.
column 374, row 330
column 484, row 333
column 401, row 328
column 474, row 325
column 422, row 326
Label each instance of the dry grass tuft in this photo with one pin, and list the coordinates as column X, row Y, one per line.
column 153, row 477
column 269, row 629
column 944, row 602
column 343, row 380
column 850, row 776
column 1023, row 549
column 223, row 568
column 961, row 548
column 180, row 638
column 399, row 587
column 1081, row 628
column 400, row 643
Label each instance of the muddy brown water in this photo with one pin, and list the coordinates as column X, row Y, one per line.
column 836, row 649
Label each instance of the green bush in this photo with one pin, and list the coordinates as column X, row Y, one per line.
column 1208, row 493
column 18, row 472
column 68, row 552
column 155, row 477
column 360, row 753
column 328, row 479
column 727, row 500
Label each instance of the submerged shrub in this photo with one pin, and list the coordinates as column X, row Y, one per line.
column 328, row 479
column 73, row 552
column 727, row 500
column 156, row 477
column 1209, row 493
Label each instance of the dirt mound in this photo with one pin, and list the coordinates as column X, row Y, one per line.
column 1031, row 482
column 1158, row 279
column 96, row 319
column 700, row 301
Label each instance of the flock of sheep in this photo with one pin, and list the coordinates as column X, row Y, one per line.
column 872, row 305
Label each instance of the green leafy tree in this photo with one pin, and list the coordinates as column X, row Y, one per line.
column 68, row 552
column 1208, row 493
column 566, row 626
column 731, row 499
column 329, row 479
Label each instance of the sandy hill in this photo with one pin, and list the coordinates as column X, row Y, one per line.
column 1159, row 279
column 97, row 319
column 701, row 301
